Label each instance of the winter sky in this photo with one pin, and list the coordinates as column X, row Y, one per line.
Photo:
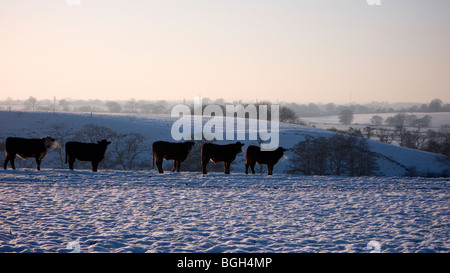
column 280, row 50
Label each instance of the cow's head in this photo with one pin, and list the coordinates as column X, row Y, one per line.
column 189, row 145
column 104, row 142
column 48, row 142
column 280, row 151
column 238, row 147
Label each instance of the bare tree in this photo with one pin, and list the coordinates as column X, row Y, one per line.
column 398, row 121
column 64, row 104
column 346, row 117
column 31, row 103
column 127, row 148
column 385, row 135
column 287, row 115
column 369, row 131
column 93, row 133
column 438, row 142
column 131, row 105
column 376, row 120
column 423, row 122
column 435, row 105
column 113, row 107
column 413, row 139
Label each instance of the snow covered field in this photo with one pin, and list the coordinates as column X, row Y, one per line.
column 143, row 211
column 361, row 120
column 120, row 211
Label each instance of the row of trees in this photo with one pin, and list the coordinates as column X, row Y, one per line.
column 435, row 141
column 404, row 129
column 163, row 107
column 401, row 120
column 130, row 106
column 159, row 107
column 346, row 117
column 312, row 109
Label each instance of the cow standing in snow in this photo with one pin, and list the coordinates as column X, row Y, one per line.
column 177, row 152
column 254, row 155
column 94, row 152
column 216, row 153
column 26, row 148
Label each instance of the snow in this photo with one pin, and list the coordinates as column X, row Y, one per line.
column 124, row 211
column 57, row 210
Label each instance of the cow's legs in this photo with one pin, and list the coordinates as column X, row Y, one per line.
column 204, row 163
column 252, row 166
column 270, row 169
column 159, row 163
column 94, row 166
column 227, row 167
column 71, row 161
column 9, row 157
column 11, row 160
column 176, row 165
column 38, row 163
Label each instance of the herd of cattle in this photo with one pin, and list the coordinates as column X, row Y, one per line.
column 162, row 150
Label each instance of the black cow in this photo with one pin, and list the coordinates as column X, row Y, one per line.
column 177, row 152
column 216, row 153
column 26, row 148
column 254, row 155
column 94, row 152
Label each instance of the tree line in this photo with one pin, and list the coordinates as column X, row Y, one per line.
column 405, row 130
column 164, row 106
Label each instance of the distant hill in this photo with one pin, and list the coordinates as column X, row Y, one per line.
column 392, row 160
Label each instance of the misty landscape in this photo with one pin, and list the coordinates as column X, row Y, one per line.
column 224, row 127
column 424, row 127
column 311, row 202
column 344, row 186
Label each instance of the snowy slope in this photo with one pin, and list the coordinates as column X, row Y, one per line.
column 393, row 160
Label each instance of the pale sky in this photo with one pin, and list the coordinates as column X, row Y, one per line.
column 279, row 50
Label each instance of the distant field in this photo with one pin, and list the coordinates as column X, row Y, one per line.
column 325, row 122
